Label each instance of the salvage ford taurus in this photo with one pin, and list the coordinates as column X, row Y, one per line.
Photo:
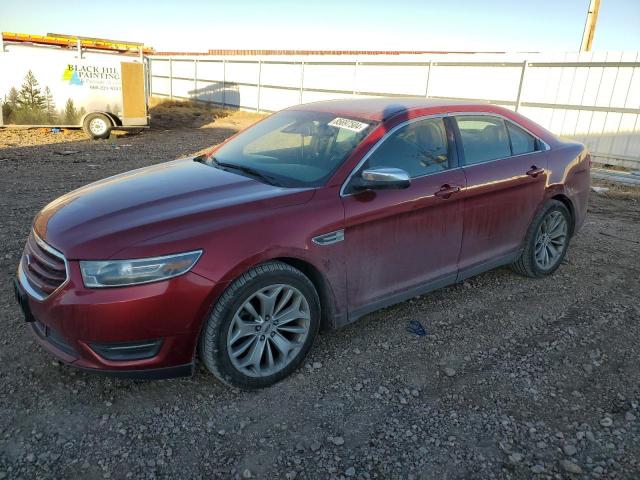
column 311, row 218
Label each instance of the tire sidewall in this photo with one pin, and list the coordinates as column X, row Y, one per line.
column 553, row 206
column 220, row 322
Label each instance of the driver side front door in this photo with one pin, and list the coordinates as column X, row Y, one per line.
column 401, row 243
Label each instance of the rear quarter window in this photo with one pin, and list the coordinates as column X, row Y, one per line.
column 521, row 141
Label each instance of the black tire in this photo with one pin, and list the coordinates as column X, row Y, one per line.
column 526, row 264
column 97, row 119
column 213, row 339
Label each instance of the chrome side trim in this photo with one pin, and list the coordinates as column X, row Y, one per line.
column 22, row 277
column 544, row 144
column 329, row 238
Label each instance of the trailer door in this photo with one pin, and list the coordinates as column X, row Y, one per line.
column 134, row 102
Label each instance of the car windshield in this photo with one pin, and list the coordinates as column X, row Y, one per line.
column 293, row 148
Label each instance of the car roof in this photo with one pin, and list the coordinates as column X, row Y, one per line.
column 382, row 108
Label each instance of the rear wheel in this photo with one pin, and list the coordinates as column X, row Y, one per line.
column 262, row 327
column 546, row 242
column 97, row 125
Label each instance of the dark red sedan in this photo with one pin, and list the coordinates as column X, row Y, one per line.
column 311, row 218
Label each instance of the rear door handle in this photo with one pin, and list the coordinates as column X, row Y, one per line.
column 535, row 171
column 446, row 191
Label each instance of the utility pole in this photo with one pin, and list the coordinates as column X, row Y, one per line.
column 590, row 26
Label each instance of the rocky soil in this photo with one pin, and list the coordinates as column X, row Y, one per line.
column 515, row 379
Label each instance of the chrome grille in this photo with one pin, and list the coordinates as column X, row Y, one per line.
column 42, row 268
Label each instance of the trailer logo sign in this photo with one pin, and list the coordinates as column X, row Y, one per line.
column 92, row 74
column 71, row 76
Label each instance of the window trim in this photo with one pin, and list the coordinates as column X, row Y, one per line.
column 452, row 148
column 544, row 145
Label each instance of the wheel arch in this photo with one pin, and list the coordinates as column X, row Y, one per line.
column 115, row 121
column 320, row 280
column 321, row 284
column 561, row 197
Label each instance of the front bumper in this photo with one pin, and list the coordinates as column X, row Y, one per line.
column 142, row 331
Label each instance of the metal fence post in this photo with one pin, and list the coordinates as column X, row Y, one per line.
column 301, row 79
column 195, row 78
column 259, row 86
column 170, row 78
column 79, row 46
column 224, row 82
column 426, row 88
column 355, row 77
column 521, row 84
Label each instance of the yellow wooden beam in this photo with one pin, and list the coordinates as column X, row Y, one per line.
column 590, row 26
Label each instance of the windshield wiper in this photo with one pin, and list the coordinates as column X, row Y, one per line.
column 248, row 170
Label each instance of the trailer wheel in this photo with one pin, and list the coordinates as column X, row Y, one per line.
column 97, row 125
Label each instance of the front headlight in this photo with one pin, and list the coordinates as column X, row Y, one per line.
column 117, row 273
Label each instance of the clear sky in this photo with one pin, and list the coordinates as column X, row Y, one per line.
column 469, row 25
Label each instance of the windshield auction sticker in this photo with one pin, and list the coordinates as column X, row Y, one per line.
column 352, row 125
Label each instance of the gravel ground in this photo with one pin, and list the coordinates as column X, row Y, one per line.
column 516, row 378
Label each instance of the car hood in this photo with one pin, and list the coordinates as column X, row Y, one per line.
column 176, row 202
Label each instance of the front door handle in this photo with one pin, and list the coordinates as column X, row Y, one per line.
column 446, row 191
column 535, row 171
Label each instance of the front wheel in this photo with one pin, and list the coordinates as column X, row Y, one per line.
column 547, row 241
column 262, row 327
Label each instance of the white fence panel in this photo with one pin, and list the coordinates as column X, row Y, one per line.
column 236, row 72
column 274, row 99
column 212, row 92
column 591, row 97
column 183, row 69
column 210, row 71
column 281, row 74
column 182, row 88
column 485, row 82
column 160, row 67
column 161, row 86
column 384, row 80
column 329, row 77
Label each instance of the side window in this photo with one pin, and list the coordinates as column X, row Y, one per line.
column 484, row 138
column 521, row 141
column 418, row 148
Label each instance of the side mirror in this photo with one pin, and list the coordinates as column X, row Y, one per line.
column 381, row 178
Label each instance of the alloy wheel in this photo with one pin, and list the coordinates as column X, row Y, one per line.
column 268, row 330
column 551, row 240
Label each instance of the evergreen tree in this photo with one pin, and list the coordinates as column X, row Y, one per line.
column 30, row 97
column 49, row 106
column 9, row 106
column 6, row 113
column 12, row 100
column 70, row 113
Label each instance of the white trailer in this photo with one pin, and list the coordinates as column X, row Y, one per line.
column 71, row 82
